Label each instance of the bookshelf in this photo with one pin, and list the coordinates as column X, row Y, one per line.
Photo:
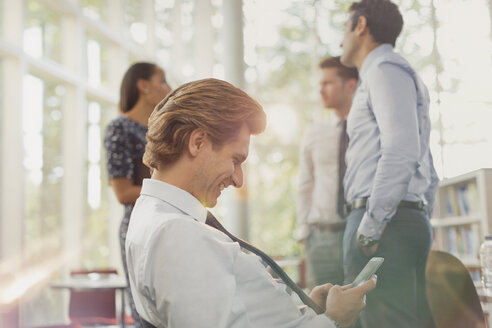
column 463, row 216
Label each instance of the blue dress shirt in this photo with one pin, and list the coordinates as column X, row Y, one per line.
column 388, row 158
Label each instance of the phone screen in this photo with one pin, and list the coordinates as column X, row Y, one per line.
column 371, row 267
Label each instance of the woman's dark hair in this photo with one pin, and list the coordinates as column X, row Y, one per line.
column 128, row 90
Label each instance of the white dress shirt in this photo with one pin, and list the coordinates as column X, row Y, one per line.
column 318, row 176
column 184, row 273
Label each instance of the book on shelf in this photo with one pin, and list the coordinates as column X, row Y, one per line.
column 463, row 241
column 462, row 200
column 452, row 204
column 452, row 241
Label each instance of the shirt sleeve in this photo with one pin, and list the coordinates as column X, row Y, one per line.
column 393, row 96
column 306, row 186
column 119, row 157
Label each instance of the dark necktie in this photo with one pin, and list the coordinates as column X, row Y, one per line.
column 342, row 148
column 213, row 222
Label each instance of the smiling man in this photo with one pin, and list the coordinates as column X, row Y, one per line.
column 183, row 272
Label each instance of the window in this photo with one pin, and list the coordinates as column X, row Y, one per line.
column 134, row 20
column 52, row 115
column 174, row 20
column 97, row 62
column 163, row 31
column 95, row 9
column 280, row 66
column 42, row 33
column 43, row 164
column 95, row 248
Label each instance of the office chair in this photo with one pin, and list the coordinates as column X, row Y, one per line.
column 452, row 296
column 92, row 307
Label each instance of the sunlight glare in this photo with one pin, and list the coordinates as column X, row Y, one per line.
column 282, row 121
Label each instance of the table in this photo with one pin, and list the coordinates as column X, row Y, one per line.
column 111, row 282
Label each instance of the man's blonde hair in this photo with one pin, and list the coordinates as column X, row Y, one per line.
column 215, row 106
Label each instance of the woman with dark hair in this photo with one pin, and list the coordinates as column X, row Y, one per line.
column 142, row 88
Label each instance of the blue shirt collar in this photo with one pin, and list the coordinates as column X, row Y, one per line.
column 376, row 52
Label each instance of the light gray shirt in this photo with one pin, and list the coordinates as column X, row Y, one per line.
column 184, row 273
column 388, row 158
column 318, row 176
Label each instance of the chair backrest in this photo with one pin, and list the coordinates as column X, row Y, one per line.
column 452, row 296
column 92, row 306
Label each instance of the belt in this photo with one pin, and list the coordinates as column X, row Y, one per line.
column 362, row 202
column 329, row 227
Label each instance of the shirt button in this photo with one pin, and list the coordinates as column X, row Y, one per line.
column 386, row 208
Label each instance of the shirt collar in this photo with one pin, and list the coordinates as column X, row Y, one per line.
column 376, row 52
column 175, row 196
column 337, row 121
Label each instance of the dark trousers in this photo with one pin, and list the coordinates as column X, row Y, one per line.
column 324, row 257
column 399, row 299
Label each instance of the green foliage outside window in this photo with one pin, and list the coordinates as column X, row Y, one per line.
column 45, row 23
column 289, row 78
column 288, row 74
column 96, row 9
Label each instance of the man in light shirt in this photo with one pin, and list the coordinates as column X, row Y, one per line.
column 320, row 225
column 390, row 179
column 184, row 273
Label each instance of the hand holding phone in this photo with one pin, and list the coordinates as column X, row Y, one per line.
column 344, row 303
column 371, row 267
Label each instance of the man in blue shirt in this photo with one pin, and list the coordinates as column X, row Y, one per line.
column 390, row 179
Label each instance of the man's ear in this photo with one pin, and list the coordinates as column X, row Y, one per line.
column 198, row 139
column 352, row 84
column 361, row 26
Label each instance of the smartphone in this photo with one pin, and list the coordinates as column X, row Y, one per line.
column 371, row 267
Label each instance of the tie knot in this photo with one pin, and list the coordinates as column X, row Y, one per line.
column 213, row 222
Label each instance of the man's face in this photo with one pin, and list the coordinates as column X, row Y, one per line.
column 333, row 89
column 350, row 44
column 221, row 167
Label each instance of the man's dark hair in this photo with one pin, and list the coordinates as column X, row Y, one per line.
column 383, row 19
column 343, row 71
